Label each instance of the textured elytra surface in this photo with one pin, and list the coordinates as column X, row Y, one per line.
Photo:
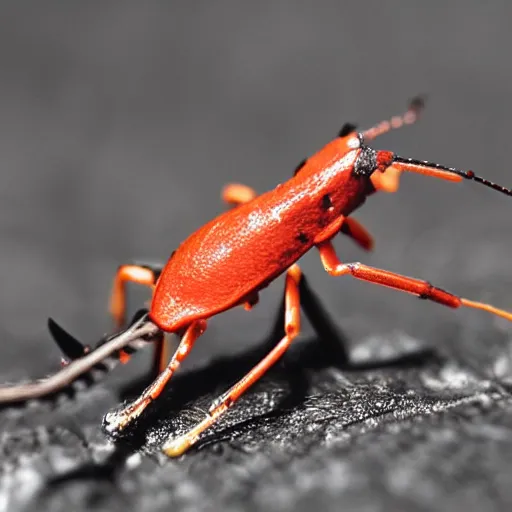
column 119, row 124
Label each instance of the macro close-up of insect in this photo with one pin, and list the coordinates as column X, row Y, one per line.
column 228, row 261
column 255, row 256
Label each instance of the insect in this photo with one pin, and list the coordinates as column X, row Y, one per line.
column 229, row 260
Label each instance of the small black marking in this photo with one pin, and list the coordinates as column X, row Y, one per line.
column 417, row 104
column 300, row 166
column 326, row 202
column 346, row 129
column 428, row 293
column 302, row 238
column 345, row 228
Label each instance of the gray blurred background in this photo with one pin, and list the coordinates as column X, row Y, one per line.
column 121, row 121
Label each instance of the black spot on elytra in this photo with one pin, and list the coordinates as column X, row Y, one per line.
column 300, row 166
column 287, row 255
column 326, row 202
column 302, row 238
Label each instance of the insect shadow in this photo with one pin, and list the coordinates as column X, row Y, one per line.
column 189, row 394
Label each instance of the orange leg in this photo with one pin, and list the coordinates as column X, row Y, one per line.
column 236, row 193
column 355, row 230
column 178, row 446
column 146, row 275
column 117, row 421
column 422, row 289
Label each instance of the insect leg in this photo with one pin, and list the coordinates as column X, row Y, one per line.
column 355, row 230
column 422, row 289
column 145, row 274
column 236, row 193
column 178, row 446
column 139, row 273
column 116, row 421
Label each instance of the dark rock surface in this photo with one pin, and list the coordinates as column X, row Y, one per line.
column 119, row 123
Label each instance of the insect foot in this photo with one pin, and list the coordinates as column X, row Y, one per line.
column 114, row 422
column 177, row 446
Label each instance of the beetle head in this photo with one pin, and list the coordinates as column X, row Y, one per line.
column 369, row 161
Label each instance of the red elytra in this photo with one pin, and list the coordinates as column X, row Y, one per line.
column 229, row 259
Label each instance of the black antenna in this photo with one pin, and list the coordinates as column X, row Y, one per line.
column 468, row 175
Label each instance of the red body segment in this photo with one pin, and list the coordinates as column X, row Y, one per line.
column 229, row 259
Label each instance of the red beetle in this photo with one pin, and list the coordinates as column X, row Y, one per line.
column 229, row 260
